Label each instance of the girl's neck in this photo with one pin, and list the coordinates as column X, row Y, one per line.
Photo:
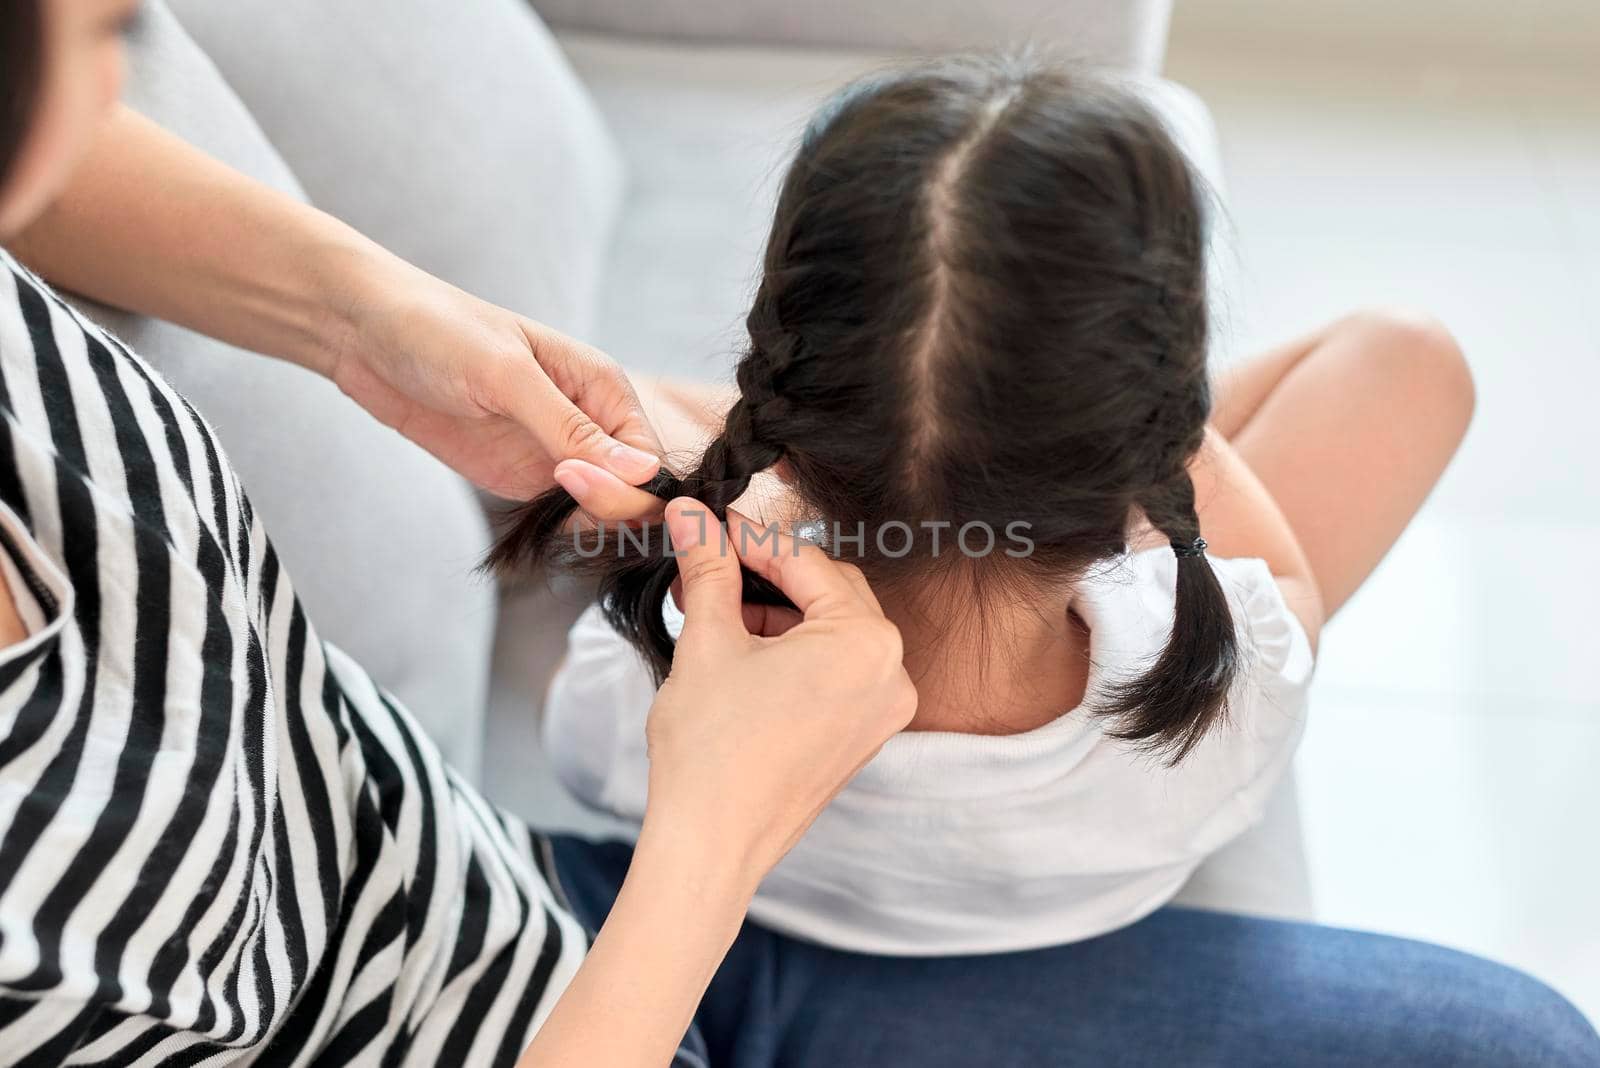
column 1001, row 669
column 992, row 667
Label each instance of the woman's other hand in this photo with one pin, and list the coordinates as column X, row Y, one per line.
column 754, row 733
column 502, row 399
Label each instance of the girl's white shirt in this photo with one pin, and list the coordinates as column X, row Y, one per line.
column 951, row 843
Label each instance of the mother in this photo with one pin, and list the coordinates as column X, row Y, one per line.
column 219, row 840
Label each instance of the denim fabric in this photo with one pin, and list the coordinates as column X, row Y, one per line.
column 1182, row 987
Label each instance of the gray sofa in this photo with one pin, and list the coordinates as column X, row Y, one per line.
column 612, row 178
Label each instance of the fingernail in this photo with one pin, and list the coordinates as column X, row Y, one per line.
column 572, row 481
column 689, row 525
column 631, row 459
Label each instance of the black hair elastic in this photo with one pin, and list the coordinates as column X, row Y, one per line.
column 1194, row 548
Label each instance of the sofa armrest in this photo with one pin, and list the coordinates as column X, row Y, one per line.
column 1128, row 35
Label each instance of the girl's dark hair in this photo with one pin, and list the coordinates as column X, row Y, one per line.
column 982, row 300
column 21, row 49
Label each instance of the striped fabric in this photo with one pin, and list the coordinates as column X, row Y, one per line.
column 220, row 842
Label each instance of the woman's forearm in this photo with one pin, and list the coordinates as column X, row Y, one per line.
column 636, row 992
column 153, row 225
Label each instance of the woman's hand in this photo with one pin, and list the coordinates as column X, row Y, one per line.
column 751, row 736
column 754, row 733
column 500, row 398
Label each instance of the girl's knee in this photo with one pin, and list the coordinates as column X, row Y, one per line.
column 1536, row 1025
column 1419, row 359
column 1484, row 1013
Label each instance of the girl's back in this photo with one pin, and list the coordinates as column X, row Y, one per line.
column 954, row 843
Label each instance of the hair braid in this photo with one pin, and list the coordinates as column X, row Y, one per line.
column 1185, row 692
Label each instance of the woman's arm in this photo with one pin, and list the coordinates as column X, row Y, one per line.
column 636, row 993
column 153, row 225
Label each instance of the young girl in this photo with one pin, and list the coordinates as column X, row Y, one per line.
column 982, row 326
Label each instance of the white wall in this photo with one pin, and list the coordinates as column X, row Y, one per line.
column 1558, row 33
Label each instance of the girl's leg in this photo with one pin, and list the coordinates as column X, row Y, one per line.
column 1182, row 987
column 1349, row 427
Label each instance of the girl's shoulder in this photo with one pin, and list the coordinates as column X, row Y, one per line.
column 1276, row 645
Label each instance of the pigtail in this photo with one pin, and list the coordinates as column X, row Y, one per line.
column 1185, row 692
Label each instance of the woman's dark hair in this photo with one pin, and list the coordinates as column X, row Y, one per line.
column 21, row 48
column 982, row 300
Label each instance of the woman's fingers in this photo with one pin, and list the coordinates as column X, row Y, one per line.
column 604, row 496
column 862, row 586
column 761, row 620
column 770, row 620
column 710, row 584
column 819, row 586
column 562, row 394
column 708, row 570
column 562, row 429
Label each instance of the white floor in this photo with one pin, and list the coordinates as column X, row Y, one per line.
column 1449, row 779
column 1451, row 776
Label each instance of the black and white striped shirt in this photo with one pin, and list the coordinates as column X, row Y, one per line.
column 220, row 842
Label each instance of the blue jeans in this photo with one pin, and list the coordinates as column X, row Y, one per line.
column 1182, row 987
